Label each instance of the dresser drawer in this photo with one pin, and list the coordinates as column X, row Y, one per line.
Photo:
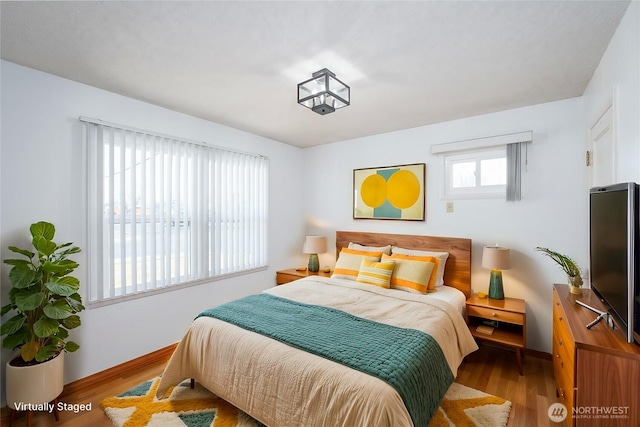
column 565, row 394
column 564, row 348
column 562, row 338
column 557, row 308
column 563, row 356
column 502, row 316
column 563, row 370
column 558, row 313
column 282, row 278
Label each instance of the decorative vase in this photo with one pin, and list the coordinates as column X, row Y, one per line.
column 575, row 283
column 35, row 384
column 314, row 263
column 496, row 290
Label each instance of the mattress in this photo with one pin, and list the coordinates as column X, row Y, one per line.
column 450, row 295
column 444, row 293
column 281, row 385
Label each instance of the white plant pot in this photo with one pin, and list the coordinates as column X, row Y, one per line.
column 36, row 384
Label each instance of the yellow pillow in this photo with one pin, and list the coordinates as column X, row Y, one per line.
column 376, row 273
column 442, row 260
column 413, row 273
column 348, row 264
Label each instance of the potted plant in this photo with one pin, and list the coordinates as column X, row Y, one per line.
column 45, row 300
column 569, row 266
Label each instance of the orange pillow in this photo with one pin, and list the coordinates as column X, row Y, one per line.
column 414, row 273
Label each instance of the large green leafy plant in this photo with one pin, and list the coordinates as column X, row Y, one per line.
column 44, row 297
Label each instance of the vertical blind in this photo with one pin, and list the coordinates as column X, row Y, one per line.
column 514, row 171
column 165, row 212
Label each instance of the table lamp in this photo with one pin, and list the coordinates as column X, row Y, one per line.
column 497, row 259
column 314, row 245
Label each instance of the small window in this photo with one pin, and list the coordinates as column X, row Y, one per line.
column 475, row 174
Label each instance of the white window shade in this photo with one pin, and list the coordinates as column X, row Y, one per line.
column 167, row 212
column 479, row 143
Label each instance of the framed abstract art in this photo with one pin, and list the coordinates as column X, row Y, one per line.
column 392, row 192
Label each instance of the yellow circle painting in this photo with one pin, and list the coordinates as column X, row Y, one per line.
column 403, row 189
column 374, row 190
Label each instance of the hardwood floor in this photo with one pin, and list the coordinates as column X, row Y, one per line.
column 495, row 371
column 491, row 370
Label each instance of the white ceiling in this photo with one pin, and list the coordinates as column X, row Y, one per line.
column 238, row 63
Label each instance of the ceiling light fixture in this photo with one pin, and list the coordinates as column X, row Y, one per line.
column 323, row 93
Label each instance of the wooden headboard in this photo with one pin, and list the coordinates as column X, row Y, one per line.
column 457, row 273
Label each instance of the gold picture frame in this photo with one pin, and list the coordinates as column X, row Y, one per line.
column 390, row 192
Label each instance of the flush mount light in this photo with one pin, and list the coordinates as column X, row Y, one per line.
column 323, row 93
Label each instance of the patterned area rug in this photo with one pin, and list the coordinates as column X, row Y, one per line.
column 465, row 406
column 138, row 407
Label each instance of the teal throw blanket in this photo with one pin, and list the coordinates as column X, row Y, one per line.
column 409, row 360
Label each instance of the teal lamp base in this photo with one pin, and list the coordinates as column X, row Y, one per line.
column 314, row 263
column 495, row 285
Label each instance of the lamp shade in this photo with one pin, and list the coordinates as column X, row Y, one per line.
column 496, row 258
column 314, row 245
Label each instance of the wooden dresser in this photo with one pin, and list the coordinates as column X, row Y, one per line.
column 597, row 372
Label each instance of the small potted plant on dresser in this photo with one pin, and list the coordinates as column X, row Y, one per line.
column 45, row 301
column 568, row 265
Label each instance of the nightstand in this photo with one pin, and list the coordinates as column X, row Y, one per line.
column 508, row 314
column 286, row 276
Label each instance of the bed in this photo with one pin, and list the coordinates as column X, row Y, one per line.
column 373, row 376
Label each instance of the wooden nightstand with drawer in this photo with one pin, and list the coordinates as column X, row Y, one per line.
column 286, row 276
column 508, row 314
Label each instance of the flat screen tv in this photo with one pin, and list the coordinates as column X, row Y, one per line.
column 614, row 252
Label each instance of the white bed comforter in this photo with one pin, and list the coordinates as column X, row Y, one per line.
column 283, row 386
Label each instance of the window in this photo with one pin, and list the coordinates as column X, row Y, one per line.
column 476, row 173
column 484, row 167
column 165, row 212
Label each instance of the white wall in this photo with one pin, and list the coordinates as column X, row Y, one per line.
column 41, row 179
column 619, row 71
column 553, row 212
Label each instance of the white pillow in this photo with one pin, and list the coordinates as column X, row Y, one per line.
column 384, row 249
column 442, row 256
